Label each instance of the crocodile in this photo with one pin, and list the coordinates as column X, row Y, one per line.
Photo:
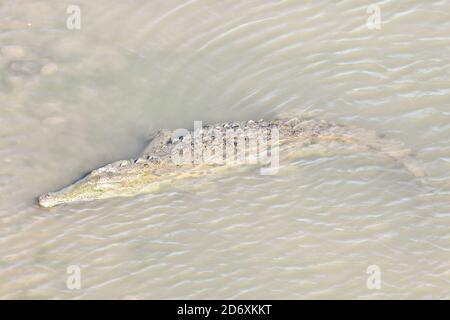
column 171, row 156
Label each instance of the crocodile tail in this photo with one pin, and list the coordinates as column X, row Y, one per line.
column 391, row 148
column 414, row 166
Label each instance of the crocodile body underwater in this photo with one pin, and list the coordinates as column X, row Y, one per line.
column 210, row 149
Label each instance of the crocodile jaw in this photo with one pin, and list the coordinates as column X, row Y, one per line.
column 49, row 200
column 103, row 183
column 79, row 191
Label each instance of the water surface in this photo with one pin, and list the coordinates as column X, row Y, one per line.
column 73, row 100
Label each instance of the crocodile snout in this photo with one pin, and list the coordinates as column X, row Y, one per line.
column 46, row 200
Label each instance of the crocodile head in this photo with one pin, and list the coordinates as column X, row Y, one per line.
column 82, row 190
column 120, row 179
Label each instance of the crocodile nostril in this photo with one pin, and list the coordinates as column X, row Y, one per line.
column 42, row 200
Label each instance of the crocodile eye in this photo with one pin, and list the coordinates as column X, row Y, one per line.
column 179, row 135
